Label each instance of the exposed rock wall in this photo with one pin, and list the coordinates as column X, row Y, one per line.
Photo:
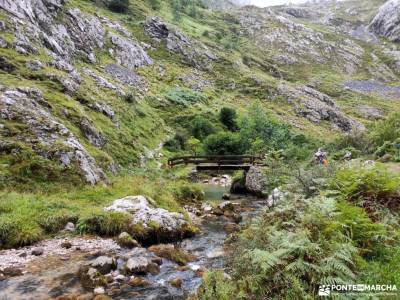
column 47, row 136
column 318, row 107
column 387, row 22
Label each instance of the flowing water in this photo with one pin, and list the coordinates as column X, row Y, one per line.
column 50, row 277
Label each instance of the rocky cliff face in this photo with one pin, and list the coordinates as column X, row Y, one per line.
column 387, row 22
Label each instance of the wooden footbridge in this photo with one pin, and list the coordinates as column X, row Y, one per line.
column 217, row 162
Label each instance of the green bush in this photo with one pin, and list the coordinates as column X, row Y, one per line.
column 387, row 148
column 228, row 116
column 177, row 143
column 104, row 223
column 257, row 125
column 353, row 222
column 184, row 97
column 387, row 130
column 119, row 6
column 223, row 143
column 358, row 140
column 368, row 186
column 202, row 127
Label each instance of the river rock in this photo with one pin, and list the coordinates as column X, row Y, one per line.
column 153, row 268
column 138, row 281
column 99, row 290
column 103, row 264
column 66, row 244
column 157, row 260
column 90, row 277
column 176, row 282
column 70, row 227
column 126, row 240
column 226, row 205
column 37, row 251
column 172, row 253
column 137, row 265
column 169, row 225
column 12, row 271
column 231, row 228
column 226, row 196
column 102, row 297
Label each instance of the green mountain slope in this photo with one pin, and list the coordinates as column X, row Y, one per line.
column 90, row 92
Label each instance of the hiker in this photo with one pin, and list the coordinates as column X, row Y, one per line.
column 320, row 157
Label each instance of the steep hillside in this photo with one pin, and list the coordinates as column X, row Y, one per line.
column 85, row 89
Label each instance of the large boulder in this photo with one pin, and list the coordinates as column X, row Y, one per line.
column 158, row 224
column 256, row 182
column 387, row 22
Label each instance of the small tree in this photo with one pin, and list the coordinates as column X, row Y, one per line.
column 119, row 6
column 193, row 145
column 227, row 116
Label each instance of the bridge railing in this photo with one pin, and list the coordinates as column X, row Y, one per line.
column 215, row 159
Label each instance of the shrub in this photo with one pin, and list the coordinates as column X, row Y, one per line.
column 223, row 143
column 177, row 143
column 227, row 116
column 387, row 148
column 386, row 130
column 356, row 139
column 353, row 222
column 119, row 6
column 258, row 125
column 184, row 96
column 368, row 186
column 202, row 127
column 216, row 286
column 206, row 33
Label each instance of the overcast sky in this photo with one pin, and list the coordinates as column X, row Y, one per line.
column 263, row 3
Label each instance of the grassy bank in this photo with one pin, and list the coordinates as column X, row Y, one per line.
column 29, row 217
